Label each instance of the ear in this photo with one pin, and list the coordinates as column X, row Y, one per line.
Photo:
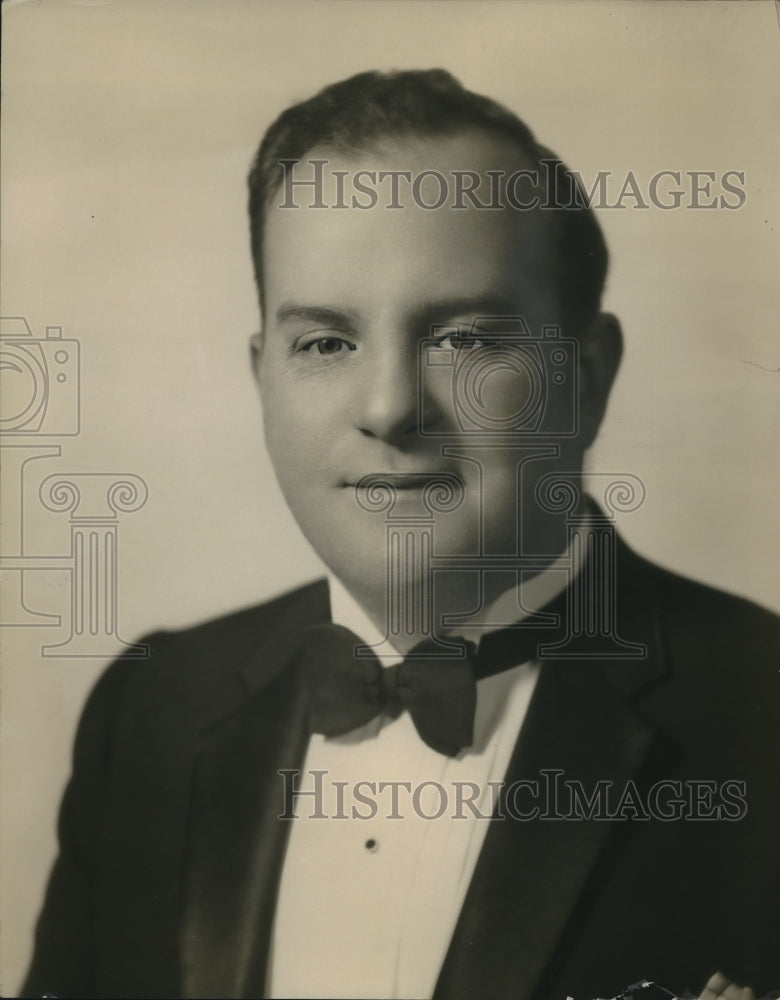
column 601, row 348
column 256, row 353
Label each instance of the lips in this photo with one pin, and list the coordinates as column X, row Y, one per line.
column 417, row 480
column 403, row 480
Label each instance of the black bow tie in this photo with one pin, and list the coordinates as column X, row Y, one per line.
column 440, row 693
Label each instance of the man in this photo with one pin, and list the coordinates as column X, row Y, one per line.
column 527, row 763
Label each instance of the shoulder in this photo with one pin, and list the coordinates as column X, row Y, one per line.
column 239, row 633
column 698, row 610
column 193, row 673
column 686, row 605
column 723, row 649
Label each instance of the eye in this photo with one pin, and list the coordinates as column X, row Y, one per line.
column 327, row 346
column 459, row 338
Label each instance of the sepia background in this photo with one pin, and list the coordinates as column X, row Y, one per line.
column 128, row 128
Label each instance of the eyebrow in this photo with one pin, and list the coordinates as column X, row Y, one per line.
column 488, row 305
column 316, row 314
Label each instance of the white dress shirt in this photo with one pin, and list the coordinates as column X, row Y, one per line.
column 368, row 903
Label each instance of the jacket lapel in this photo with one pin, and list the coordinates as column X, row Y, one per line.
column 237, row 839
column 532, row 877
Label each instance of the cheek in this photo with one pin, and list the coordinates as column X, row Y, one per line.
column 285, row 435
column 503, row 396
column 277, row 425
column 486, row 393
column 298, row 437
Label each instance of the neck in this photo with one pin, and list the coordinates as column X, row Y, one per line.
column 412, row 606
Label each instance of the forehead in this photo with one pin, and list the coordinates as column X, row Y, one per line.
column 378, row 238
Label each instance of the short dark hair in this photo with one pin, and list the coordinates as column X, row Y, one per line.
column 350, row 115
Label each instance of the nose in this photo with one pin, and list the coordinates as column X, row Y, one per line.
column 390, row 404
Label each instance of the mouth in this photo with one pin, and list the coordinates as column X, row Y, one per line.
column 406, row 481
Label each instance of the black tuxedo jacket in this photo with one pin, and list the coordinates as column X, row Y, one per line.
column 171, row 848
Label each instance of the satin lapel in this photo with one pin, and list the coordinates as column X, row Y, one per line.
column 531, row 874
column 533, row 878
column 237, row 839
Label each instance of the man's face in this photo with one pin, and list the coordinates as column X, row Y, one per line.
column 349, row 295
